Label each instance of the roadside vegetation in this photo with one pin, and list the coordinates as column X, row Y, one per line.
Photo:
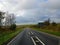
column 57, row 33
column 6, row 35
column 46, row 26
column 8, row 28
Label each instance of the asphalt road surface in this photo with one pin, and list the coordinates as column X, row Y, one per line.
column 31, row 37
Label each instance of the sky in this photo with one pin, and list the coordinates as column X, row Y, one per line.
column 32, row 11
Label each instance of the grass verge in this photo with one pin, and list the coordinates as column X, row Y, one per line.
column 7, row 35
column 48, row 31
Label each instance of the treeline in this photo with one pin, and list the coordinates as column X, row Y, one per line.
column 7, row 21
column 49, row 25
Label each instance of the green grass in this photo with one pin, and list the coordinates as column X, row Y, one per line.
column 48, row 31
column 7, row 35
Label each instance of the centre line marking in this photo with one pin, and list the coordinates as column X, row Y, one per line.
column 33, row 40
column 31, row 32
column 40, row 40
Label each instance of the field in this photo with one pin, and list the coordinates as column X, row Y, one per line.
column 6, row 35
column 57, row 33
column 48, row 29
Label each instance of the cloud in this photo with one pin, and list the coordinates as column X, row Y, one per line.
column 32, row 10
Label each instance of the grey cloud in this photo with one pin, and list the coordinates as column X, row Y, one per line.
column 34, row 10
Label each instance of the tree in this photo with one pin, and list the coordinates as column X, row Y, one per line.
column 47, row 22
column 41, row 24
column 38, row 25
column 10, row 21
column 13, row 27
column 1, row 17
column 53, row 23
column 7, row 20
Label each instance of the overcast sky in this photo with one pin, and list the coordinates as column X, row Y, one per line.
column 30, row 11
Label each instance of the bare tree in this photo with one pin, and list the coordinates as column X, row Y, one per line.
column 7, row 19
column 10, row 20
column 54, row 23
column 47, row 22
column 1, row 17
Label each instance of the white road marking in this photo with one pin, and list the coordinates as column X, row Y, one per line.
column 40, row 40
column 33, row 41
column 31, row 32
column 36, row 41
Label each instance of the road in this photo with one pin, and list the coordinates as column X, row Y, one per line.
column 32, row 37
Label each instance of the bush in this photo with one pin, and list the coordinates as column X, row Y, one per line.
column 13, row 27
column 58, row 27
column 54, row 24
